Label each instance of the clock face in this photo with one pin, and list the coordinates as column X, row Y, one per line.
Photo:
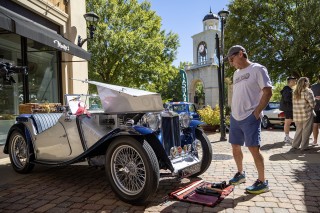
column 202, row 50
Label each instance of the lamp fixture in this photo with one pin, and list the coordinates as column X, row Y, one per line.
column 89, row 17
column 223, row 13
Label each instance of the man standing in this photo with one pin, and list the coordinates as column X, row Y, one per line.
column 252, row 91
column 286, row 107
column 316, row 92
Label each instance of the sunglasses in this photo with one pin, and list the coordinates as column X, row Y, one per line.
column 230, row 58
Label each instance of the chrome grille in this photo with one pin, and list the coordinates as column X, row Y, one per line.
column 170, row 132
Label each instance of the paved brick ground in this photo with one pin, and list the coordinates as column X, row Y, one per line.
column 293, row 176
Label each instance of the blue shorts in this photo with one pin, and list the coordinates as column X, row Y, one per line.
column 245, row 132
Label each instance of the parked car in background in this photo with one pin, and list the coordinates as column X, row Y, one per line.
column 272, row 115
column 183, row 107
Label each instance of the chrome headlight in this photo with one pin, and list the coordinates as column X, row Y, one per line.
column 184, row 120
column 151, row 120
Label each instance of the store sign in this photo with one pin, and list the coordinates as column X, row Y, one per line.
column 184, row 85
column 61, row 45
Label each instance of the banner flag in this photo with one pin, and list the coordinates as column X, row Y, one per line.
column 184, row 85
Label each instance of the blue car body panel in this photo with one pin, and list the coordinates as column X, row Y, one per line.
column 182, row 106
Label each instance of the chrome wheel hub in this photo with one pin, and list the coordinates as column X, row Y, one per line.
column 19, row 151
column 128, row 170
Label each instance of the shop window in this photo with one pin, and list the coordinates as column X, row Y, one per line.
column 11, row 94
column 43, row 66
column 10, row 52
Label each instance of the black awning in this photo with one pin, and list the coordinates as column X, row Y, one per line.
column 5, row 22
column 37, row 32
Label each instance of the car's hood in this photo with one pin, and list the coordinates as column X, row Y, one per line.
column 119, row 99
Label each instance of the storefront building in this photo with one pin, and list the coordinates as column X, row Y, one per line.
column 42, row 35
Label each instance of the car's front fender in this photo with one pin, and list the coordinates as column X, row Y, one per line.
column 143, row 130
column 20, row 126
column 139, row 133
column 195, row 123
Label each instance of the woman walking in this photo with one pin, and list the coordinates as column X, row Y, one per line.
column 303, row 104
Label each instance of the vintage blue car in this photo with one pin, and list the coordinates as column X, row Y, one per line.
column 183, row 107
column 124, row 130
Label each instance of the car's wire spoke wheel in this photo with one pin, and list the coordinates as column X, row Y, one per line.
column 128, row 170
column 132, row 169
column 19, row 151
column 199, row 149
column 204, row 150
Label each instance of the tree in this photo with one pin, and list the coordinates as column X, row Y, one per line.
column 199, row 92
column 282, row 35
column 172, row 91
column 277, row 87
column 129, row 48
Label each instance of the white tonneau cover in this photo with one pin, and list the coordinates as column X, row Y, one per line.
column 118, row 99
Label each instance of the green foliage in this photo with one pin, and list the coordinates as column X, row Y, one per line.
column 282, row 35
column 200, row 93
column 7, row 117
column 210, row 116
column 173, row 90
column 129, row 48
column 277, row 87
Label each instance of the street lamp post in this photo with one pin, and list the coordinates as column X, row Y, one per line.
column 223, row 14
column 89, row 17
column 222, row 123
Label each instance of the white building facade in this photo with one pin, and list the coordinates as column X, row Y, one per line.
column 205, row 63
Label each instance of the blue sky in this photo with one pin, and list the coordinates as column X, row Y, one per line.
column 184, row 17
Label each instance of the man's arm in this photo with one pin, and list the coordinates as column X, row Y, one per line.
column 267, row 93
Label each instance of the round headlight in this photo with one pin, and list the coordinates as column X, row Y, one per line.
column 184, row 120
column 151, row 120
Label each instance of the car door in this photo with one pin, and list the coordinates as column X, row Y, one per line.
column 52, row 144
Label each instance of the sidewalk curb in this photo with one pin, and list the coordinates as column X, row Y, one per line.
column 4, row 161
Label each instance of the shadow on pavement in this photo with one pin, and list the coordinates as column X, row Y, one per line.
column 72, row 187
column 245, row 197
column 309, row 156
column 307, row 176
column 276, row 145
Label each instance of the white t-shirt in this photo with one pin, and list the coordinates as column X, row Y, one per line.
column 247, row 89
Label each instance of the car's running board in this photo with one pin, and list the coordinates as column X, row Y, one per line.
column 50, row 163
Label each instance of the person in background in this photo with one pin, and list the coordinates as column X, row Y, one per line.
column 303, row 104
column 252, row 91
column 316, row 122
column 286, row 107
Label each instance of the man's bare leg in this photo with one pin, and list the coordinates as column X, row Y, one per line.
column 258, row 160
column 287, row 124
column 315, row 132
column 238, row 156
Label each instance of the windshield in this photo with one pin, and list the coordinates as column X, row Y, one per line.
column 180, row 107
column 183, row 107
column 274, row 105
column 192, row 108
column 91, row 102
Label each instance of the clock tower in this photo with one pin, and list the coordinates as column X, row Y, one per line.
column 204, row 69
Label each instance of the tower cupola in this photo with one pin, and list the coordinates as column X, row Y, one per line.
column 210, row 21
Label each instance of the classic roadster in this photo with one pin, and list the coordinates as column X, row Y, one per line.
column 124, row 130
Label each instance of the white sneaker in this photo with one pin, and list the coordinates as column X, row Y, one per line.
column 288, row 140
column 313, row 144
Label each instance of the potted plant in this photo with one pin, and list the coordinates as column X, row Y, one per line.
column 211, row 117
